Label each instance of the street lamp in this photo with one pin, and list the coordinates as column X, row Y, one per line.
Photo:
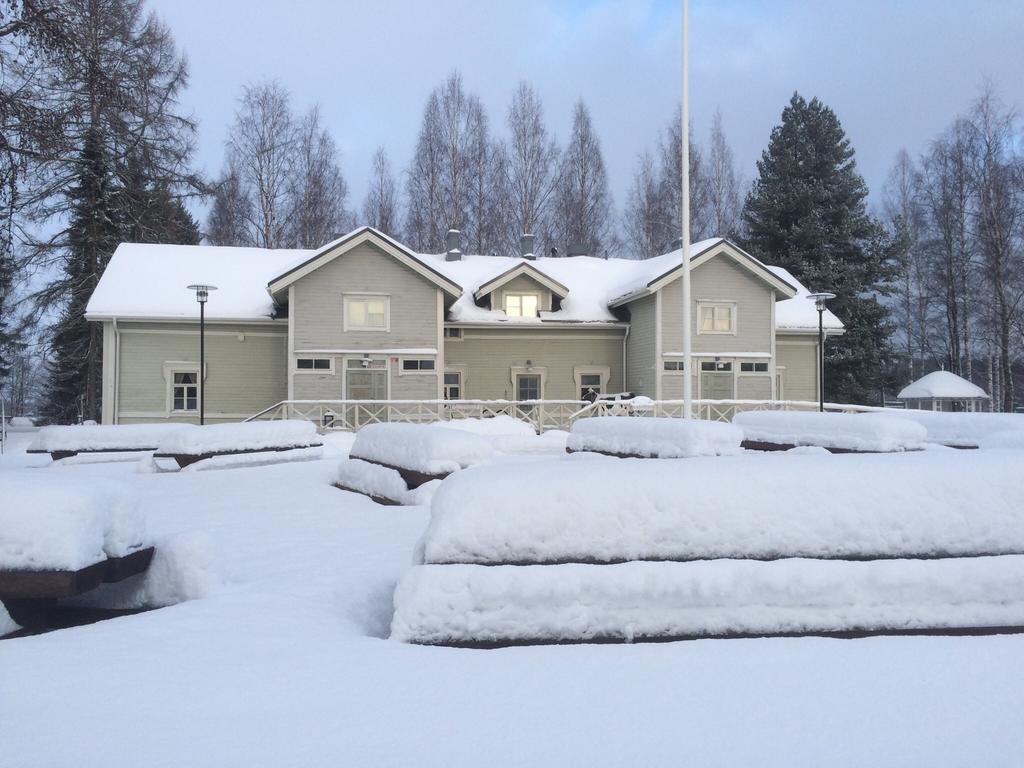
column 819, row 300
column 202, row 294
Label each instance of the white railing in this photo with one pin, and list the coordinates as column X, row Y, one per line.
column 350, row 415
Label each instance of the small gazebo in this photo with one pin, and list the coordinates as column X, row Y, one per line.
column 944, row 391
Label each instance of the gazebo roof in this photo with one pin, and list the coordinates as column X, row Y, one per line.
column 942, row 385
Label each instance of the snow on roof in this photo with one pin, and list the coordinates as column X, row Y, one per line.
column 942, row 384
column 149, row 281
column 799, row 312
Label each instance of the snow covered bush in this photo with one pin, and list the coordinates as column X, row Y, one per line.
column 474, row 604
column 663, row 438
column 847, row 431
column 873, row 505
column 424, row 448
column 244, row 436
column 105, row 437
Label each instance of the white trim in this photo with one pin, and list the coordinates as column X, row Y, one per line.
column 544, row 337
column 714, row 304
column 318, row 371
column 179, row 414
column 290, row 354
column 657, row 344
column 530, row 271
column 522, row 370
column 604, row 371
column 171, row 367
column 441, row 352
column 520, row 323
column 184, row 319
column 195, row 331
column 348, row 298
column 344, row 372
column 696, row 355
column 536, row 294
column 107, row 410
column 356, row 351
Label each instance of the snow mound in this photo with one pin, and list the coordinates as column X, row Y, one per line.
column 7, row 624
column 372, row 479
column 1012, row 440
column 628, row 601
column 594, row 510
column 245, row 436
column 425, row 448
column 21, row 422
column 942, row 384
column 663, row 438
column 66, row 526
column 500, row 425
column 961, row 429
column 134, row 437
column 848, row 431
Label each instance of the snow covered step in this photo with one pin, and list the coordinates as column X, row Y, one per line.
column 64, row 442
column 837, row 432
column 662, row 438
column 382, row 484
column 479, row 605
column 216, row 440
column 420, row 452
column 918, row 504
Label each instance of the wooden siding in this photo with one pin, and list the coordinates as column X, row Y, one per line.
column 487, row 357
column 641, row 371
column 521, row 284
column 754, row 386
column 799, row 356
column 245, row 368
column 317, row 313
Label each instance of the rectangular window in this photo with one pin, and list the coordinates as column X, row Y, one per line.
column 528, row 387
column 452, row 385
column 185, row 391
column 716, row 318
column 716, row 367
column 590, row 384
column 674, row 365
column 521, row 304
column 754, row 367
column 367, row 313
column 417, row 366
column 453, row 333
column 321, row 364
column 355, row 363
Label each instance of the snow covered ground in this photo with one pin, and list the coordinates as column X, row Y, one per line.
column 283, row 660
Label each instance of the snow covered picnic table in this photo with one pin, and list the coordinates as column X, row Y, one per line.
column 653, row 437
column 64, row 442
column 195, row 444
column 835, row 432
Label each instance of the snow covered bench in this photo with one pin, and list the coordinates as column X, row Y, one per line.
column 740, row 546
column 658, row 438
column 381, row 484
column 420, row 453
column 835, row 432
column 187, row 447
column 65, row 442
column 59, row 540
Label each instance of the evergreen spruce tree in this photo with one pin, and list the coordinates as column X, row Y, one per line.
column 93, row 234
column 806, row 212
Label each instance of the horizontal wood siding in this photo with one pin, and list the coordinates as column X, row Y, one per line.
column 245, row 367
column 318, row 298
column 720, row 280
column 799, row 356
column 641, row 371
column 754, row 387
column 488, row 356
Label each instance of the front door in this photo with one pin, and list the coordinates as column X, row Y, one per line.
column 366, row 379
column 716, row 386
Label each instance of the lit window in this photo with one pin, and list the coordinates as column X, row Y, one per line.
column 313, row 364
column 716, row 318
column 452, row 385
column 590, row 384
column 754, row 367
column 521, row 304
column 415, row 366
column 185, row 392
column 366, row 313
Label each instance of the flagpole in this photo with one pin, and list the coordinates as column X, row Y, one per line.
column 685, row 220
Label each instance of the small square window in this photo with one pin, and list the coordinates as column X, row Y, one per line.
column 521, row 304
column 716, row 318
column 366, row 313
column 716, row 367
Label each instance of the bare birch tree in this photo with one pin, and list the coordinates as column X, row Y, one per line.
column 723, row 185
column 317, row 207
column 646, row 213
column 230, row 213
column 425, row 208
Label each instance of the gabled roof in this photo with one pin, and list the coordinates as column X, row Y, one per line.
column 357, row 237
column 798, row 314
column 523, row 268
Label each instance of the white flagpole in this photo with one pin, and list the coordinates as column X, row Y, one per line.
column 685, row 219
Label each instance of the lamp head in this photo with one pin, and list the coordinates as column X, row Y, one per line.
column 820, row 299
column 202, row 291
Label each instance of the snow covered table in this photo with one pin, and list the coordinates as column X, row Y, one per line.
column 197, row 444
column 420, row 453
column 653, row 438
column 65, row 442
column 835, row 432
column 381, row 484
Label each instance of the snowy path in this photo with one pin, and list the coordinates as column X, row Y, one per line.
column 285, row 664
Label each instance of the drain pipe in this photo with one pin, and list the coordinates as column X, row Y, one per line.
column 624, row 340
column 117, row 373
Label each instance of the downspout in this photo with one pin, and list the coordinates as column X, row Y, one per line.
column 624, row 340
column 117, row 372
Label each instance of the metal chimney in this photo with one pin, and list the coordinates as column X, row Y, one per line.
column 577, row 249
column 453, row 243
column 526, row 247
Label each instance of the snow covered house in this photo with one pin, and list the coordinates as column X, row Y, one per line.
column 367, row 318
column 944, row 391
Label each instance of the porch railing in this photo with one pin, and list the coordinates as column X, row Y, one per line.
column 351, row 415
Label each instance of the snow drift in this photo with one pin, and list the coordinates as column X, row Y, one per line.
column 889, row 505
column 630, row 601
column 383, row 482
column 961, row 429
column 424, row 448
column 663, row 438
column 847, row 431
column 106, row 437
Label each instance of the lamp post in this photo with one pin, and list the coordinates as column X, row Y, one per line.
column 202, row 294
column 684, row 219
column 819, row 300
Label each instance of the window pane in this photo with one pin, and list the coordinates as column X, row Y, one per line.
column 707, row 318
column 375, row 313
column 529, row 306
column 746, row 366
column 453, row 393
column 305, row 363
column 707, row 366
column 761, row 367
column 723, row 318
column 426, row 365
column 590, row 380
column 322, row 364
column 192, row 403
column 513, row 307
column 184, row 378
column 410, row 365
column 357, row 313
column 179, row 400
column 528, row 387
column 452, row 378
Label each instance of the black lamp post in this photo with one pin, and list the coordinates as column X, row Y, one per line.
column 819, row 300
column 202, row 294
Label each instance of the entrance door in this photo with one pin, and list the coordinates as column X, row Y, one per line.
column 366, row 379
column 716, row 386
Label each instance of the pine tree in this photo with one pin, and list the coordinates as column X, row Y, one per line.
column 76, row 344
column 807, row 213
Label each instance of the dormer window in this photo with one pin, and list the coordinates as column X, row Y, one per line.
column 522, row 304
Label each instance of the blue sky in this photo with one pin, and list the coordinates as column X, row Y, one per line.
column 895, row 72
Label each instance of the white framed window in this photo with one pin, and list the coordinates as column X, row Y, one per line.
column 716, row 317
column 754, row 367
column 417, row 365
column 184, row 393
column 314, row 365
column 453, row 385
column 453, row 333
column 367, row 313
column 591, row 378
column 528, row 386
column 590, row 384
column 715, row 366
column 522, row 304
column 673, row 366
